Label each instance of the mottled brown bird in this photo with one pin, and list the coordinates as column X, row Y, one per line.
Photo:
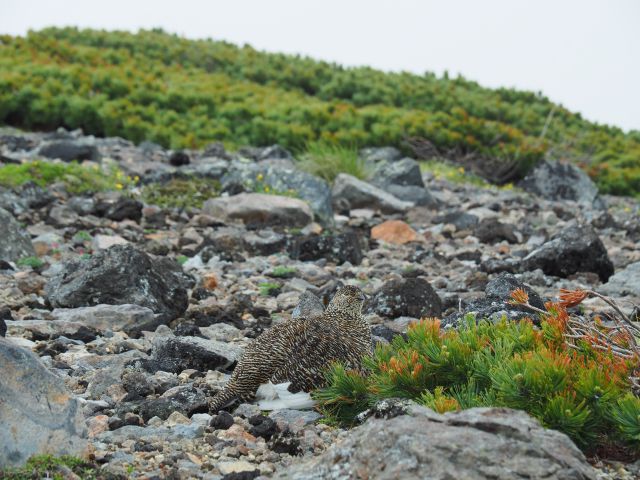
column 299, row 351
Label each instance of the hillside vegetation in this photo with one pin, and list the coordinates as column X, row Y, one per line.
column 187, row 93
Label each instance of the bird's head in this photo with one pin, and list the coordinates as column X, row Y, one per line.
column 349, row 299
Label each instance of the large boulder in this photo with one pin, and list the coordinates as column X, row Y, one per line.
column 15, row 242
column 260, row 210
column 37, row 414
column 577, row 248
column 131, row 319
column 244, row 176
column 623, row 283
column 121, row 275
column 409, row 297
column 478, row 443
column 561, row 181
column 403, row 172
column 349, row 193
column 69, row 150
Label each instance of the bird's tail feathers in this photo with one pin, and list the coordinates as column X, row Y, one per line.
column 278, row 397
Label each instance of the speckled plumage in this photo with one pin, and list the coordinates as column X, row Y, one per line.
column 300, row 350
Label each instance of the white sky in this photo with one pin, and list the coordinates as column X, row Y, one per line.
column 584, row 54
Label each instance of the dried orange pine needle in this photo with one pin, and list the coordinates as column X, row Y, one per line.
column 571, row 298
column 519, row 296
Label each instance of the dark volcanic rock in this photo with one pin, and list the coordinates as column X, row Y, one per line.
column 69, row 150
column 338, row 248
column 34, row 195
column 492, row 231
column 410, row 297
column 175, row 354
column 496, row 304
column 119, row 275
column 185, row 399
column 575, row 249
column 123, row 208
column 561, row 181
column 262, row 426
column 179, row 158
column 15, row 243
column 221, row 421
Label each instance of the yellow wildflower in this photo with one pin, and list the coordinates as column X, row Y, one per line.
column 119, row 186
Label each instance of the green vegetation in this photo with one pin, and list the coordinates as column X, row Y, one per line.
column 580, row 389
column 327, row 161
column 185, row 93
column 76, row 178
column 55, row 468
column 269, row 289
column 82, row 236
column 182, row 259
column 33, row 262
column 283, row 272
column 181, row 193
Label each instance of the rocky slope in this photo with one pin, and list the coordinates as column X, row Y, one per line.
column 141, row 311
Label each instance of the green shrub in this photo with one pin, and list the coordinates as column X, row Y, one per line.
column 48, row 466
column 76, row 178
column 181, row 193
column 327, row 161
column 33, row 262
column 584, row 392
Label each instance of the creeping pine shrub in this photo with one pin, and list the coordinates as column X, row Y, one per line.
column 579, row 388
column 55, row 468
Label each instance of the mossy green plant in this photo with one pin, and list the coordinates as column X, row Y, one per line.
column 282, row 271
column 76, row 178
column 269, row 289
column 181, row 192
column 55, row 468
column 33, row 262
column 327, row 161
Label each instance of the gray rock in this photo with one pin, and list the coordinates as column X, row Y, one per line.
column 380, row 154
column 478, row 443
column 151, row 434
column 349, row 193
column 260, row 210
column 47, row 329
column 461, row 220
column 623, row 283
column 414, row 194
column 15, row 243
column 561, row 181
column 403, row 172
column 577, row 248
column 69, row 150
column 121, row 275
column 308, row 306
column 410, row 297
column 244, row 176
column 294, row 420
column 37, row 414
column 131, row 319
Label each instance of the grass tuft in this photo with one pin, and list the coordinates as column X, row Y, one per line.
column 327, row 161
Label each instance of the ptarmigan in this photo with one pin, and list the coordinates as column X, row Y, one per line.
column 299, row 351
